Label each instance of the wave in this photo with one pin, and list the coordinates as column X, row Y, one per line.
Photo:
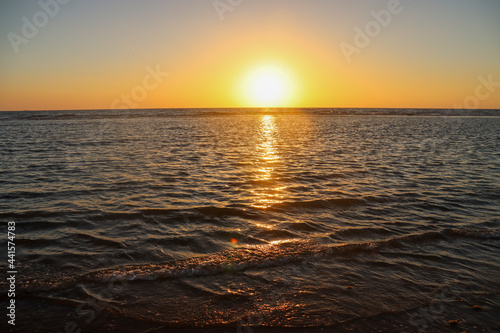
column 276, row 253
column 360, row 232
column 320, row 203
column 252, row 212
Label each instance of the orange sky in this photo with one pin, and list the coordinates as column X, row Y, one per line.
column 94, row 55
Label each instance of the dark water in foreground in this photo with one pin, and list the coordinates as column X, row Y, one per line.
column 158, row 220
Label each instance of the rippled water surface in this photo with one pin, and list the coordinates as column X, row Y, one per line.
column 146, row 219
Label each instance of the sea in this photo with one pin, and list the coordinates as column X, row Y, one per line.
column 250, row 220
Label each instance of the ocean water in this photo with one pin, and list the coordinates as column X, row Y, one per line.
column 252, row 220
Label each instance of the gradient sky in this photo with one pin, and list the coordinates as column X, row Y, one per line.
column 92, row 52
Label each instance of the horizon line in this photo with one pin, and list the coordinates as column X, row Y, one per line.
column 262, row 108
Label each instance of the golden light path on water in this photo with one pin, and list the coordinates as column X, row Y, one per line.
column 267, row 192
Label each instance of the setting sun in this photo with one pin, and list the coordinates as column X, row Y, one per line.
column 267, row 86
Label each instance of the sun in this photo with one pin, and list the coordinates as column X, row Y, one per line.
column 267, row 86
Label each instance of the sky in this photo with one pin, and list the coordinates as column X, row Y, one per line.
column 94, row 54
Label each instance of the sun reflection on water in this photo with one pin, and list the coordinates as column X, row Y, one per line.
column 268, row 191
